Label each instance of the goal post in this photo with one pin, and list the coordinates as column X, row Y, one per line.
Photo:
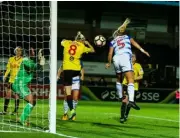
column 53, row 67
column 29, row 24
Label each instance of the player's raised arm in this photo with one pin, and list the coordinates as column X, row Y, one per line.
column 135, row 44
column 29, row 63
column 110, row 54
column 91, row 48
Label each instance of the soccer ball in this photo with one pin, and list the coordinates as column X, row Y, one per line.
column 100, row 40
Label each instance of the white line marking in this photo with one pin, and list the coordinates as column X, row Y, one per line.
column 5, row 131
column 148, row 117
column 59, row 134
column 155, row 118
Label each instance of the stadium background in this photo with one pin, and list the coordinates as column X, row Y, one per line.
column 156, row 30
column 154, row 25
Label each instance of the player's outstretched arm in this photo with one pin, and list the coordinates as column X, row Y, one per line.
column 135, row 44
column 92, row 50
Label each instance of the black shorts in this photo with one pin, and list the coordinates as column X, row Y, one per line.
column 68, row 75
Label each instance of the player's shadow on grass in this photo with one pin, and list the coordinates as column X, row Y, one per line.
column 165, row 126
column 96, row 132
column 120, row 132
column 117, row 126
column 136, row 127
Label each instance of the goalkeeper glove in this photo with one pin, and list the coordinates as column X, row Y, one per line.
column 4, row 79
column 41, row 58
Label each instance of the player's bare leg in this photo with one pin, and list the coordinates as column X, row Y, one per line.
column 66, row 108
column 75, row 100
column 130, row 89
column 70, row 101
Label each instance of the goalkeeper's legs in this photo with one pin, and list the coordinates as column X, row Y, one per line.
column 28, row 108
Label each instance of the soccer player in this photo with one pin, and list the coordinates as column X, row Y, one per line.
column 121, row 46
column 72, row 54
column 75, row 90
column 20, row 86
column 138, row 75
column 12, row 69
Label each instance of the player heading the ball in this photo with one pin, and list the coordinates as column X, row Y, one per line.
column 72, row 54
column 122, row 60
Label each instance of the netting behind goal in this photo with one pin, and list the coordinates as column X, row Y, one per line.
column 25, row 24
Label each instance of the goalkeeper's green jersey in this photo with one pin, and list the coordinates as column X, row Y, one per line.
column 26, row 70
column 24, row 77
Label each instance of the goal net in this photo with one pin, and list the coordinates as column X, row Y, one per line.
column 28, row 25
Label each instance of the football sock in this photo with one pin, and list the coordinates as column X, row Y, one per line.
column 6, row 103
column 130, row 90
column 128, row 108
column 66, row 108
column 119, row 89
column 75, row 103
column 123, row 109
column 16, row 102
column 70, row 102
column 26, row 112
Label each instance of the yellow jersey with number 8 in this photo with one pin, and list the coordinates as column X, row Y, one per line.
column 73, row 51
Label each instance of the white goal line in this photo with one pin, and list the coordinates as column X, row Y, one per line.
column 148, row 117
column 37, row 130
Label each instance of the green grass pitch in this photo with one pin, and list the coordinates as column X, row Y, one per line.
column 97, row 120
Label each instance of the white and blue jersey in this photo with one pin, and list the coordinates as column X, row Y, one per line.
column 122, row 54
column 121, row 45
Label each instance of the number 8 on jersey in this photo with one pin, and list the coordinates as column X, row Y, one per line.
column 72, row 50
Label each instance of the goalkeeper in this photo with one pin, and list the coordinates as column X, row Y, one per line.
column 23, row 78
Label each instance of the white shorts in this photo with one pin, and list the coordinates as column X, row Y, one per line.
column 76, row 83
column 123, row 63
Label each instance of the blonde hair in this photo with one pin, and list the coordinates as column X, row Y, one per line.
column 80, row 36
column 125, row 23
column 16, row 49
